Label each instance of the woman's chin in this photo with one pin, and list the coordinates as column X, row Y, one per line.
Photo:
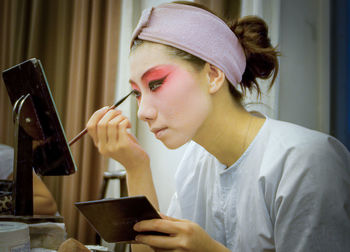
column 172, row 145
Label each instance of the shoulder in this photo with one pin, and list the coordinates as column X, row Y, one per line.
column 290, row 134
column 297, row 162
column 309, row 178
column 287, row 140
column 305, row 165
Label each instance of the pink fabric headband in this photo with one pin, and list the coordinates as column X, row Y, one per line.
column 197, row 32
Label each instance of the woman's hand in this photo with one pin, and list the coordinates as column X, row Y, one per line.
column 108, row 129
column 184, row 235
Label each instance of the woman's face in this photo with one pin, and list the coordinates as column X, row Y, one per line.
column 173, row 96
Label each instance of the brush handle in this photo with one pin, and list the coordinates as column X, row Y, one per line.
column 77, row 137
column 84, row 131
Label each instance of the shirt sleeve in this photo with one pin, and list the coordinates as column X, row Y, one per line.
column 6, row 161
column 174, row 209
column 312, row 204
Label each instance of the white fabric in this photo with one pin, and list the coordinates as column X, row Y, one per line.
column 47, row 235
column 6, row 161
column 290, row 191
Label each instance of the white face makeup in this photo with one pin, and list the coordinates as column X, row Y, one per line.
column 171, row 96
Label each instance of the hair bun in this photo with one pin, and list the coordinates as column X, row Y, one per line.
column 252, row 32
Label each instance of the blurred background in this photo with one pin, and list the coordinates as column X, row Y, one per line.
column 84, row 45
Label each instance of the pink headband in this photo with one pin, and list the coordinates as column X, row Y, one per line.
column 195, row 31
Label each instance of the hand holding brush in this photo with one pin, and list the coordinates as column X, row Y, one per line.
column 84, row 131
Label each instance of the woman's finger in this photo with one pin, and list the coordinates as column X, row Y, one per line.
column 160, row 243
column 92, row 123
column 159, row 225
column 122, row 130
column 112, row 130
column 102, row 126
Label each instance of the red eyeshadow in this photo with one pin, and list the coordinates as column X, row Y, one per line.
column 156, row 73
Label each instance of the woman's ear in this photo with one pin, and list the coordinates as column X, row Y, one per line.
column 216, row 78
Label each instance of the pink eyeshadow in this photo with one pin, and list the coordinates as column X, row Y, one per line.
column 157, row 73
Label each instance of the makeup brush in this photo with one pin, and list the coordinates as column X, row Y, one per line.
column 84, row 131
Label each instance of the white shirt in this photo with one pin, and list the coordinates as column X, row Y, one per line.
column 6, row 161
column 290, row 191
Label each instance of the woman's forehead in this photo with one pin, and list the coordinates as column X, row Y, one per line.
column 148, row 48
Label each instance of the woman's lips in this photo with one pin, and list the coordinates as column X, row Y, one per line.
column 159, row 132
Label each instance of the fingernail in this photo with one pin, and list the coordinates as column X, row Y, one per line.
column 136, row 226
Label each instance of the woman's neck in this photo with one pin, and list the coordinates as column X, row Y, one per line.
column 228, row 130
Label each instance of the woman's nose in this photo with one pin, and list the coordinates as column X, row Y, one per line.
column 146, row 111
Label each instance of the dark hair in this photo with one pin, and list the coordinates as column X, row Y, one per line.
column 261, row 56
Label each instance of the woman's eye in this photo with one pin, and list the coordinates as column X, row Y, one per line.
column 153, row 85
column 136, row 93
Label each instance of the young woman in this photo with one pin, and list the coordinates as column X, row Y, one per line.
column 246, row 182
